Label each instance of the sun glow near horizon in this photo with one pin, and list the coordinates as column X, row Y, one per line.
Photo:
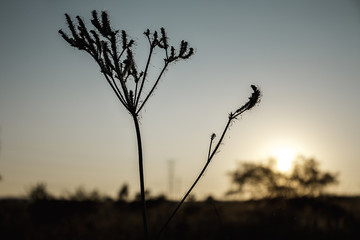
column 285, row 158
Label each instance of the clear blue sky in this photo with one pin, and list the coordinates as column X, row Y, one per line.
column 61, row 124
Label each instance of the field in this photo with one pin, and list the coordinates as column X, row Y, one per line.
column 299, row 218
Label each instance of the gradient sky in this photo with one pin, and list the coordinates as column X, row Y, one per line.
column 61, row 123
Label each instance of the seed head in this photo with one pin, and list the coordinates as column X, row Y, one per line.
column 255, row 97
column 213, row 136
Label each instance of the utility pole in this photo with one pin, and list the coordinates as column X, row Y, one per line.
column 171, row 174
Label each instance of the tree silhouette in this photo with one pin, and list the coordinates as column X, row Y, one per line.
column 263, row 180
column 309, row 179
column 39, row 192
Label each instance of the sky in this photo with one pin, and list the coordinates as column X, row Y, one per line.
column 61, row 124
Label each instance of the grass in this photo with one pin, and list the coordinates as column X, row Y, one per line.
column 298, row 218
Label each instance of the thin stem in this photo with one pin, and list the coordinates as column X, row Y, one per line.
column 115, row 89
column 153, row 88
column 135, row 92
column 184, row 198
column 210, row 149
column 221, row 138
column 120, row 55
column 118, row 70
column 145, row 75
column 141, row 173
column 210, row 156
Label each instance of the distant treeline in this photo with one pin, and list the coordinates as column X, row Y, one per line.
column 40, row 192
column 257, row 180
column 253, row 180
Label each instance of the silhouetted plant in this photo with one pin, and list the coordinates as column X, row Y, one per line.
column 159, row 198
column 81, row 195
column 123, row 194
column 112, row 50
column 191, row 198
column 263, row 180
column 253, row 100
column 210, row 198
column 137, row 196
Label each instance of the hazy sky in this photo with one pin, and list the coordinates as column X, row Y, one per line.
column 61, row 123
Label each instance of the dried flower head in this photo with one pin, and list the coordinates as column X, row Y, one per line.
column 112, row 50
column 253, row 100
column 213, row 136
column 255, row 97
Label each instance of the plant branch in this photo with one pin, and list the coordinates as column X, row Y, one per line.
column 211, row 141
column 117, row 89
column 119, row 72
column 210, row 156
column 153, row 88
column 255, row 98
column 117, row 92
column 144, row 75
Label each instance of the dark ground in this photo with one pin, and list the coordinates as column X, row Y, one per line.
column 301, row 218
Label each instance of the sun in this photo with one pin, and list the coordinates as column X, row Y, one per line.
column 284, row 157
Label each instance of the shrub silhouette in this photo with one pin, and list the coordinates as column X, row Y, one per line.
column 263, row 180
column 39, row 192
column 112, row 51
column 123, row 194
column 81, row 195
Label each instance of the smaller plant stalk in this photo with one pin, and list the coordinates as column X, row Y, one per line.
column 253, row 100
column 210, row 156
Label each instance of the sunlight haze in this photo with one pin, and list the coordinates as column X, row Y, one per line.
column 284, row 157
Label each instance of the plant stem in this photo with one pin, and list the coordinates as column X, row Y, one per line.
column 141, row 173
column 182, row 201
column 210, row 156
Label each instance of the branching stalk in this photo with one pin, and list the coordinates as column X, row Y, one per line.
column 144, row 76
column 253, row 100
column 210, row 156
column 117, row 91
column 153, row 88
column 102, row 44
